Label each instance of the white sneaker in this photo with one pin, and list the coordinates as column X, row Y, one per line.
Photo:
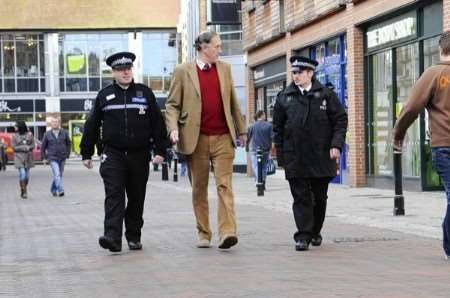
column 203, row 243
column 447, row 257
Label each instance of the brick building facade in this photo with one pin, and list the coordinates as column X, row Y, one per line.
column 372, row 51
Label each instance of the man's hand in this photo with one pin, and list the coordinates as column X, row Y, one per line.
column 158, row 159
column 397, row 145
column 88, row 163
column 335, row 153
column 174, row 136
column 243, row 140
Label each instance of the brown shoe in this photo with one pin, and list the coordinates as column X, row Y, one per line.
column 203, row 243
column 228, row 241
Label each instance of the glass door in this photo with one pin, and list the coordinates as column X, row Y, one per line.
column 430, row 179
column 407, row 73
column 381, row 113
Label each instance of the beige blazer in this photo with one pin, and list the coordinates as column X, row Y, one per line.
column 184, row 105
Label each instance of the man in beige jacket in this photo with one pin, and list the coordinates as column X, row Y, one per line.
column 432, row 91
column 203, row 118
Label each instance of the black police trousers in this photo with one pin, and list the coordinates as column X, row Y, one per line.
column 124, row 172
column 309, row 207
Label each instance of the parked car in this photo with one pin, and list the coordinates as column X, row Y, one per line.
column 7, row 139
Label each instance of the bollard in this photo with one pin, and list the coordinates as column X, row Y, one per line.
column 175, row 168
column 259, row 183
column 399, row 204
column 165, row 171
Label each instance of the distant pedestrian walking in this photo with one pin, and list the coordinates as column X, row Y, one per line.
column 23, row 145
column 260, row 136
column 55, row 149
column 432, row 91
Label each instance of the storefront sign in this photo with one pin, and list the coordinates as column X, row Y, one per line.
column 76, row 105
column 269, row 72
column 399, row 29
column 22, row 106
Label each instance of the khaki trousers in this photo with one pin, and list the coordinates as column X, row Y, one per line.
column 218, row 151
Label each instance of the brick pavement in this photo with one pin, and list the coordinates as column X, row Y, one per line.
column 48, row 246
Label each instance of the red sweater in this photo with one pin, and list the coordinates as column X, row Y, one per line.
column 213, row 120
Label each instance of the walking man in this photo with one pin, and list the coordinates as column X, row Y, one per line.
column 203, row 117
column 432, row 91
column 130, row 120
column 260, row 136
column 309, row 125
column 55, row 148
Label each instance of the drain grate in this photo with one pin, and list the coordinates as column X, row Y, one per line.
column 363, row 239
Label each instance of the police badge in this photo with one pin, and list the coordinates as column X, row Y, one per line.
column 141, row 110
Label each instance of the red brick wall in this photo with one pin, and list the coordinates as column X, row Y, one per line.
column 446, row 15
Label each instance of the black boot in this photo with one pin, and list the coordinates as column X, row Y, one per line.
column 23, row 190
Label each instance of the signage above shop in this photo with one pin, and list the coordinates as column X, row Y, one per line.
column 398, row 29
column 22, row 106
column 271, row 71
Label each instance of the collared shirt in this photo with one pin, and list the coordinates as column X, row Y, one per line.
column 202, row 64
column 302, row 90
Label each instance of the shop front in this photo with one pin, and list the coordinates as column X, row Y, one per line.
column 397, row 51
column 269, row 79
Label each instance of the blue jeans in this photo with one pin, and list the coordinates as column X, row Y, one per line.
column 441, row 163
column 183, row 168
column 57, row 170
column 24, row 174
column 265, row 160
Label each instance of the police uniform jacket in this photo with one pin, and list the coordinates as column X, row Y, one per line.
column 305, row 128
column 129, row 119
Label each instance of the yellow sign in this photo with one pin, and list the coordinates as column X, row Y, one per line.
column 76, row 132
column 75, row 63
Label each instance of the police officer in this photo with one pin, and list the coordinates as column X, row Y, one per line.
column 129, row 119
column 309, row 125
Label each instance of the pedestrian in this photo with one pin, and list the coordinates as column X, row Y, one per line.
column 309, row 125
column 131, row 123
column 432, row 91
column 260, row 137
column 3, row 157
column 204, row 118
column 23, row 145
column 55, row 149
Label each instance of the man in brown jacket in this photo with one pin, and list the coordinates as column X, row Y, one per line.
column 203, row 118
column 432, row 91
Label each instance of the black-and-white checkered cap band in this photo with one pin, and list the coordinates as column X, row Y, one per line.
column 297, row 64
column 122, row 61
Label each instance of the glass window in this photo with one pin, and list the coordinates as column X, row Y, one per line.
column 382, row 113
column 23, row 62
column 431, row 57
column 407, row 74
column 432, row 19
column 83, row 60
column 271, row 94
column 159, row 59
column 8, row 58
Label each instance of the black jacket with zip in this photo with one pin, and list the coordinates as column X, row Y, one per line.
column 125, row 119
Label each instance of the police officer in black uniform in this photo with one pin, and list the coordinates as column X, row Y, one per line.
column 130, row 123
column 309, row 125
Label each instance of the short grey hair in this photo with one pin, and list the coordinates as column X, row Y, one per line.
column 204, row 38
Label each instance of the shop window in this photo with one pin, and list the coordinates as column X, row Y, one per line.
column 23, row 62
column 159, row 58
column 82, row 60
column 407, row 65
column 432, row 19
column 382, row 113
